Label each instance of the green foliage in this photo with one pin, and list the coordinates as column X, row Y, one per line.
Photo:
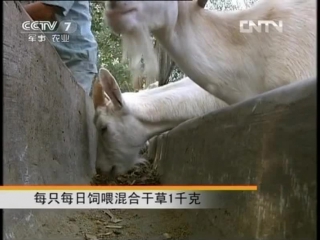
column 229, row 5
column 109, row 46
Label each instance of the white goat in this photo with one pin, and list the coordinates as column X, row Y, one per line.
column 153, row 85
column 209, row 47
column 128, row 120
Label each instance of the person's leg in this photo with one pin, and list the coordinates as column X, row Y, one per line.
column 85, row 80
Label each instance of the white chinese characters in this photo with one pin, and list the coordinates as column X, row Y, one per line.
column 32, row 37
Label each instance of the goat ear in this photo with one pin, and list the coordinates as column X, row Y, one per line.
column 111, row 87
column 202, row 3
column 98, row 95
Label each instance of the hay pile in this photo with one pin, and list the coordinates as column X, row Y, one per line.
column 143, row 174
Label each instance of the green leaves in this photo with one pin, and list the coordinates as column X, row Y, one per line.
column 109, row 45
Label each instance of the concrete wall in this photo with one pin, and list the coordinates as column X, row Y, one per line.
column 49, row 137
column 269, row 141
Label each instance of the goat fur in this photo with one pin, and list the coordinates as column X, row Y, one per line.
column 210, row 49
column 126, row 121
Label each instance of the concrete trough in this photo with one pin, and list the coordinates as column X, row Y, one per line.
column 269, row 141
column 49, row 136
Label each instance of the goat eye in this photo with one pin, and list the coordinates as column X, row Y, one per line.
column 104, row 129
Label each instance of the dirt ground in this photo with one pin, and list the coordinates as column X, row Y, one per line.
column 126, row 224
column 135, row 225
column 121, row 224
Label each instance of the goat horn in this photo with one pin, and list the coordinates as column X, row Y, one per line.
column 202, row 3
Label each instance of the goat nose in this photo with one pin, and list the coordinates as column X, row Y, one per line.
column 112, row 4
